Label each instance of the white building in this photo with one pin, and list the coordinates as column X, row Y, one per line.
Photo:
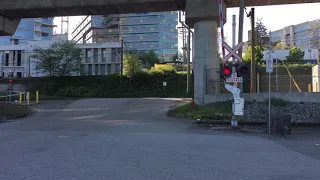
column 310, row 56
column 97, row 59
column 301, row 35
column 304, row 35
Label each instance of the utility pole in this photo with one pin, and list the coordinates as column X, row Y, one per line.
column 184, row 45
column 121, row 56
column 253, row 74
column 240, row 33
column 188, row 61
column 29, row 66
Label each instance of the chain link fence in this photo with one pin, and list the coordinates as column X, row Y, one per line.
column 280, row 83
column 213, row 82
column 283, row 83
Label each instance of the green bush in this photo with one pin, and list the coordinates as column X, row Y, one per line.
column 141, row 84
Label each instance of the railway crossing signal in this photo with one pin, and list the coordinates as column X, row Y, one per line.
column 232, row 52
column 242, row 71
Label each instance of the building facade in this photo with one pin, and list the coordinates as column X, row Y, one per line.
column 32, row 29
column 98, row 59
column 86, row 28
column 139, row 32
column 304, row 35
column 310, row 56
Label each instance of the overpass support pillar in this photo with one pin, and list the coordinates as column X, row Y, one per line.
column 8, row 27
column 203, row 16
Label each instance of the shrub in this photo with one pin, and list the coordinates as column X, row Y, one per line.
column 142, row 84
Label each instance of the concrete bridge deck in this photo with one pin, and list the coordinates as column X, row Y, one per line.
column 17, row 9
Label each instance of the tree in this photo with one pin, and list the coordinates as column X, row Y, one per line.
column 295, row 54
column 281, row 46
column 148, row 59
column 177, row 57
column 258, row 54
column 60, row 59
column 132, row 64
column 261, row 34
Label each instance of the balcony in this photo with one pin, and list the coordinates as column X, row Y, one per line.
column 47, row 23
column 130, row 21
column 107, row 32
column 111, row 21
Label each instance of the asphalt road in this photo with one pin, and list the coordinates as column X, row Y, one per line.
column 132, row 139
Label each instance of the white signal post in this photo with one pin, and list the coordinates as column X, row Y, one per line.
column 238, row 103
column 269, row 69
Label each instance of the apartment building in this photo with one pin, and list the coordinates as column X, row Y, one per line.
column 86, row 28
column 32, row 29
column 100, row 58
column 97, row 59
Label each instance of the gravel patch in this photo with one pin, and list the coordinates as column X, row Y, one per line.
column 303, row 112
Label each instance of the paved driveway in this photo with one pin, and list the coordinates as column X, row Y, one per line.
column 132, row 139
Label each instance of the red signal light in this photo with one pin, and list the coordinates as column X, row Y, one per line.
column 244, row 69
column 226, row 71
column 10, row 81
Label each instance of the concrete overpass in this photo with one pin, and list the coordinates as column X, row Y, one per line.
column 13, row 10
column 202, row 15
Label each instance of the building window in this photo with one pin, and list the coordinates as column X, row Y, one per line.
column 117, row 68
column 14, row 58
column 19, row 74
column 7, row 59
column 109, row 69
column 19, row 59
column 95, row 55
column 16, row 41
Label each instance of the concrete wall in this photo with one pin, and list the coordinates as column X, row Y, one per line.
column 260, row 97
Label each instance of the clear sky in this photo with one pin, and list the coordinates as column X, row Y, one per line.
column 274, row 17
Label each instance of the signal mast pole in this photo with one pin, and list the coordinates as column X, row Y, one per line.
column 234, row 122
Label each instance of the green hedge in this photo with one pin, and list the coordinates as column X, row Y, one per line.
column 295, row 69
column 113, row 86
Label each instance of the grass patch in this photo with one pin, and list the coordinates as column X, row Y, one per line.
column 215, row 111
column 14, row 111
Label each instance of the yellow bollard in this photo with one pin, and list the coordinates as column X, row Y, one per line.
column 309, row 88
column 37, row 97
column 28, row 98
column 20, row 98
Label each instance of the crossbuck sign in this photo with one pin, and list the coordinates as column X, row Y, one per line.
column 232, row 52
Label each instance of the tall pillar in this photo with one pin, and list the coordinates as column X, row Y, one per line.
column 206, row 60
column 8, row 27
column 203, row 16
